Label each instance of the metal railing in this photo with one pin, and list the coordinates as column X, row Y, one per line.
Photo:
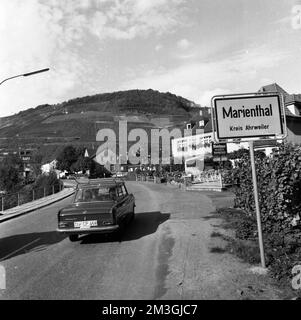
column 11, row 200
column 181, row 182
column 210, row 176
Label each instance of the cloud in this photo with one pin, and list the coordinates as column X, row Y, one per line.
column 136, row 18
column 199, row 80
column 207, row 95
column 59, row 34
column 39, row 34
column 158, row 47
column 183, row 44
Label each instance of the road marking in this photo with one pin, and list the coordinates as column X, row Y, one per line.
column 26, row 245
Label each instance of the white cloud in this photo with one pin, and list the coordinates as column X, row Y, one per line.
column 183, row 44
column 35, row 35
column 199, row 81
column 207, row 95
column 136, row 18
column 74, row 38
column 158, row 47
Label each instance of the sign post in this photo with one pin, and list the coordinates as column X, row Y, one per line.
column 247, row 118
column 258, row 218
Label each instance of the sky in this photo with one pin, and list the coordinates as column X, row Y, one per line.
column 192, row 48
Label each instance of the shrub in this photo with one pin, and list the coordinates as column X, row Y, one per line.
column 46, row 180
column 279, row 187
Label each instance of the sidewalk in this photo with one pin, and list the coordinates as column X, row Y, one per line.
column 34, row 205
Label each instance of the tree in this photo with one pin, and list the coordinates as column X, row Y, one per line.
column 82, row 164
column 36, row 165
column 98, row 171
column 11, row 174
column 46, row 180
column 67, row 158
column 238, row 154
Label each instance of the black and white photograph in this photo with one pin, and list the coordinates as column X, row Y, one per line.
column 150, row 154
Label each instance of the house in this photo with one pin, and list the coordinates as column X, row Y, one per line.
column 197, row 147
column 292, row 106
column 51, row 167
column 48, row 167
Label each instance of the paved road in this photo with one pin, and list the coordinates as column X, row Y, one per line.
column 164, row 254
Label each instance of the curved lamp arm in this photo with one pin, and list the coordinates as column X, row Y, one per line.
column 25, row 74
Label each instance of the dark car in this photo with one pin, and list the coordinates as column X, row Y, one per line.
column 99, row 206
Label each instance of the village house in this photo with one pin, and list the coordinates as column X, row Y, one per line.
column 292, row 106
column 202, row 133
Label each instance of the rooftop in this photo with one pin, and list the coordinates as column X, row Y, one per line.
column 288, row 98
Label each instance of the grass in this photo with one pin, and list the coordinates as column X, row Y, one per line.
column 241, row 245
column 244, row 244
column 246, row 250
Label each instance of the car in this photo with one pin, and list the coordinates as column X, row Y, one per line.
column 98, row 206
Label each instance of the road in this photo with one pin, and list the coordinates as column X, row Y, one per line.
column 164, row 254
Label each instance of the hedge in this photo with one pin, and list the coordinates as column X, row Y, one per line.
column 279, row 188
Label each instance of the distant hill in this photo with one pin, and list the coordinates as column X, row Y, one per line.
column 48, row 128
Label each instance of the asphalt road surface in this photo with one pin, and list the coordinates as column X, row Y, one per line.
column 163, row 254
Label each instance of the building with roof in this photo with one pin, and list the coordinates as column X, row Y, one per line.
column 292, row 106
column 198, row 145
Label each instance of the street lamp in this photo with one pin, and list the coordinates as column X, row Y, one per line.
column 26, row 74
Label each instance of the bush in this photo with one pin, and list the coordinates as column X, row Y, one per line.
column 279, row 187
column 43, row 186
column 10, row 174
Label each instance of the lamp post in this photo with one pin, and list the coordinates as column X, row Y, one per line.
column 25, row 74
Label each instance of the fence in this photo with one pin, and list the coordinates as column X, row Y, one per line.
column 210, row 176
column 12, row 200
column 180, row 182
column 146, row 178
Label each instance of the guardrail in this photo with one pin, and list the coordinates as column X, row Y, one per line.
column 12, row 200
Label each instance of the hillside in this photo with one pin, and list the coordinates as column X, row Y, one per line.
column 49, row 127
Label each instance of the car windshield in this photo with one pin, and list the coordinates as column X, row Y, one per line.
column 95, row 194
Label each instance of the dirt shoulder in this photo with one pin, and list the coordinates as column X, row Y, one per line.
column 234, row 230
column 191, row 262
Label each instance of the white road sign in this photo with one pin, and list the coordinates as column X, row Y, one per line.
column 248, row 116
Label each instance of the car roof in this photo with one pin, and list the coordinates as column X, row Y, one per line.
column 105, row 182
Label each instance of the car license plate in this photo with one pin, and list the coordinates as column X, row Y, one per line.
column 85, row 224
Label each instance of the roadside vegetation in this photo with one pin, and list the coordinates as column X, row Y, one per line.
column 17, row 189
column 73, row 160
column 279, row 184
